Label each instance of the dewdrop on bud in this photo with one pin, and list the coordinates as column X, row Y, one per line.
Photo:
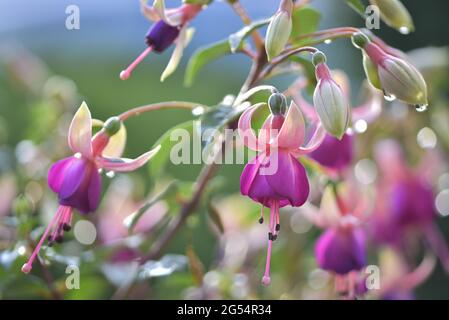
column 394, row 14
column 329, row 100
column 279, row 30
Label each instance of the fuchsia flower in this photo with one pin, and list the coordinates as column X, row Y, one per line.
column 170, row 26
column 76, row 179
column 343, row 211
column 275, row 178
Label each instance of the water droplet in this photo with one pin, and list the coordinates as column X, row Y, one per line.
column 328, row 41
column 198, row 111
column 404, row 30
column 110, row 174
column 389, row 97
column 421, row 107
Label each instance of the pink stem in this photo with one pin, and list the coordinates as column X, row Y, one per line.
column 273, row 211
column 28, row 266
column 125, row 74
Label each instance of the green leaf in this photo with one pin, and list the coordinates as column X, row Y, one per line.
column 236, row 39
column 305, row 20
column 159, row 160
column 215, row 119
column 357, row 6
column 132, row 219
column 203, row 56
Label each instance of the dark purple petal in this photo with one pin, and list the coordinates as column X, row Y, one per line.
column 341, row 250
column 334, row 153
column 161, row 35
column 81, row 186
column 290, row 180
column 412, row 203
column 56, row 173
column 288, row 184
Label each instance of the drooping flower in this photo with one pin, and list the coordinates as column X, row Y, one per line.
column 275, row 178
column 170, row 26
column 76, row 179
column 397, row 77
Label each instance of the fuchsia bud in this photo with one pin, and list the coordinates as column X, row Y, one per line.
column 394, row 14
column 329, row 99
column 279, row 29
column 398, row 78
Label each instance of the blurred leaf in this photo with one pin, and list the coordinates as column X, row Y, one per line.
column 159, row 160
column 235, row 39
column 203, row 56
column 195, row 265
column 215, row 217
column 305, row 20
column 357, row 6
column 132, row 219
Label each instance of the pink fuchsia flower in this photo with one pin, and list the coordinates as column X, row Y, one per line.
column 76, row 179
column 397, row 77
column 275, row 178
column 170, row 26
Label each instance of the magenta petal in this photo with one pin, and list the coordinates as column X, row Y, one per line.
column 74, row 175
column 94, row 190
column 290, row 180
column 57, row 172
column 341, row 250
column 334, row 153
column 253, row 184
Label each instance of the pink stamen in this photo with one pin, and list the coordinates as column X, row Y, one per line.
column 274, row 210
column 28, row 266
column 125, row 74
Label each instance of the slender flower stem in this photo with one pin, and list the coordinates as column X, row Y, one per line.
column 157, row 106
column 240, row 11
column 48, row 278
column 281, row 58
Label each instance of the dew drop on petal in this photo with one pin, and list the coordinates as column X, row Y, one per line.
column 389, row 97
column 421, row 107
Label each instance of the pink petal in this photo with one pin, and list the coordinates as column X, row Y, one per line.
column 314, row 142
column 80, row 131
column 57, row 173
column 245, row 129
column 124, row 164
column 291, row 135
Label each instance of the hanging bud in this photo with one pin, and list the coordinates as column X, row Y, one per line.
column 112, row 126
column 395, row 14
column 329, row 100
column 277, row 103
column 371, row 72
column 397, row 77
column 279, row 29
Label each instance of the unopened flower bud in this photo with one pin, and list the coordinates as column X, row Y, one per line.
column 279, row 30
column 394, row 14
column 371, row 72
column 277, row 103
column 330, row 103
column 397, row 77
column 112, row 125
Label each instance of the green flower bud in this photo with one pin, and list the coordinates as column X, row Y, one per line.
column 359, row 40
column 279, row 30
column 112, row 125
column 395, row 14
column 318, row 57
column 277, row 103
